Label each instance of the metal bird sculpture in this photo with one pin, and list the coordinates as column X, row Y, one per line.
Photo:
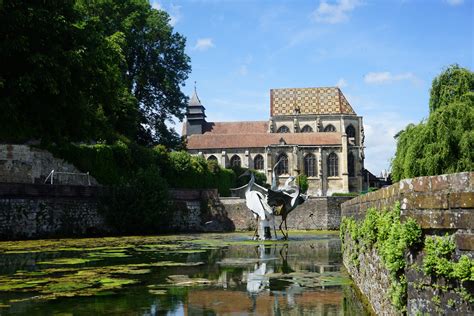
column 256, row 202
column 284, row 199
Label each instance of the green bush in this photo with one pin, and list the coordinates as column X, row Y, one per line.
column 138, row 205
column 302, row 181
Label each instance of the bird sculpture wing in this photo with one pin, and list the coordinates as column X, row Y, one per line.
column 255, row 201
column 278, row 198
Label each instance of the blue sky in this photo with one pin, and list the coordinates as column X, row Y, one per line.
column 382, row 54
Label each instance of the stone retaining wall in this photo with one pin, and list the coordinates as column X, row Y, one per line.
column 315, row 213
column 440, row 204
column 25, row 164
column 43, row 211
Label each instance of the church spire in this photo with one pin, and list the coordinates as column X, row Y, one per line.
column 195, row 99
column 195, row 115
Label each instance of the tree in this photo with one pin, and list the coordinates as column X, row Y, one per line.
column 451, row 85
column 90, row 70
column 444, row 143
column 59, row 76
column 155, row 63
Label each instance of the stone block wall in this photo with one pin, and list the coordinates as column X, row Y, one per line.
column 371, row 277
column 436, row 202
column 43, row 211
column 315, row 213
column 49, row 217
column 25, row 164
column 441, row 205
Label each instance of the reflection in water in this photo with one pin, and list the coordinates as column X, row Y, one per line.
column 217, row 275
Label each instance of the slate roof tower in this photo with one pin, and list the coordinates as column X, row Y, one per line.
column 195, row 116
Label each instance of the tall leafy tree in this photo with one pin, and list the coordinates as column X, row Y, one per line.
column 89, row 70
column 155, row 67
column 450, row 86
column 59, row 76
column 444, row 143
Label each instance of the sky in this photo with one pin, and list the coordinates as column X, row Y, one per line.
column 383, row 55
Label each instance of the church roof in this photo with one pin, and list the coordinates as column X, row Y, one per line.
column 259, row 140
column 243, row 127
column 309, row 101
column 194, row 101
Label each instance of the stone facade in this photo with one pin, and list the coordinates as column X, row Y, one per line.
column 322, row 213
column 441, row 205
column 314, row 130
column 25, row 164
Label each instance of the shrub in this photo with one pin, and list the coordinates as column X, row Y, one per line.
column 138, row 205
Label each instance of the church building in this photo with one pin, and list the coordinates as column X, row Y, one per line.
column 313, row 131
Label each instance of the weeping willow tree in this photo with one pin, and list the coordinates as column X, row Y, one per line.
column 444, row 143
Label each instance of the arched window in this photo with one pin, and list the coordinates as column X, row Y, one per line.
column 330, row 128
column 306, row 129
column 282, row 167
column 350, row 131
column 333, row 163
column 350, row 165
column 310, row 165
column 235, row 161
column 212, row 158
column 283, row 129
column 258, row 162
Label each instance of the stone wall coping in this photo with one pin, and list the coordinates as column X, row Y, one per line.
column 30, row 190
column 438, row 202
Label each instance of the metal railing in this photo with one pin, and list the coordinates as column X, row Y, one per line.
column 53, row 173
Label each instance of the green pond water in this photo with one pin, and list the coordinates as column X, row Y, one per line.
column 202, row 274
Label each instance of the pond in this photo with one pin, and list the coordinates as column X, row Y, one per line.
column 202, row 274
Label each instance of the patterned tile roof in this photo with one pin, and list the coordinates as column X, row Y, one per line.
column 244, row 127
column 308, row 101
column 259, row 140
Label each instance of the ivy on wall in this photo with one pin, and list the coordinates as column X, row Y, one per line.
column 392, row 239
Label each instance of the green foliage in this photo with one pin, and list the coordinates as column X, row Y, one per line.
column 118, row 163
column 450, row 86
column 354, row 194
column 384, row 231
column 444, row 143
column 438, row 260
column 154, row 65
column 89, row 70
column 302, row 181
column 140, row 204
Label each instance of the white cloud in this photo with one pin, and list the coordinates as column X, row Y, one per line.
column 388, row 77
column 175, row 14
column 454, row 2
column 341, row 83
column 334, row 13
column 156, row 5
column 203, row 44
column 380, row 145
